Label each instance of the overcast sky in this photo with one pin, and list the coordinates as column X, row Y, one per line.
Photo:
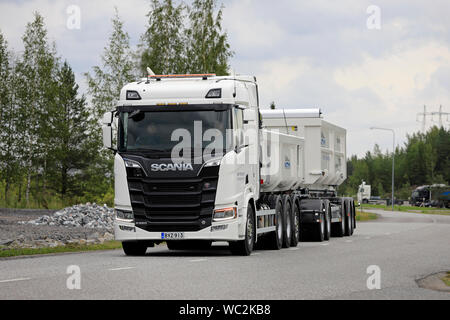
column 304, row 54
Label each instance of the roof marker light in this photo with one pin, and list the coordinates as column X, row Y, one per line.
column 214, row 94
column 133, row 95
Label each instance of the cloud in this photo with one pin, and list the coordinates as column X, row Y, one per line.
column 304, row 54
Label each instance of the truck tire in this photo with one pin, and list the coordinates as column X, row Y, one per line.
column 327, row 217
column 287, row 221
column 353, row 215
column 320, row 227
column 245, row 247
column 338, row 228
column 348, row 219
column 295, row 222
column 275, row 238
column 134, row 248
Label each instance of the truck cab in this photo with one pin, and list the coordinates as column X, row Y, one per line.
column 179, row 165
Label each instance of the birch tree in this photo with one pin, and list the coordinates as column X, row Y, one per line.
column 207, row 49
column 162, row 46
column 35, row 92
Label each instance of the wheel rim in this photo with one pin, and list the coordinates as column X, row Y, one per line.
column 249, row 232
column 279, row 229
column 322, row 225
column 296, row 224
column 328, row 222
column 288, row 223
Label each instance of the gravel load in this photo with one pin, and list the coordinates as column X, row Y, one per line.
column 86, row 215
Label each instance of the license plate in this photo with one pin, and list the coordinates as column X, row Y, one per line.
column 172, row 235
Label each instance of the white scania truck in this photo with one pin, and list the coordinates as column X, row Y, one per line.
column 198, row 162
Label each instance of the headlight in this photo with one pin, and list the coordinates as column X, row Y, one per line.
column 225, row 214
column 124, row 215
column 134, row 169
column 213, row 163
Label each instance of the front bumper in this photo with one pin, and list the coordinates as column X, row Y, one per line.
column 125, row 231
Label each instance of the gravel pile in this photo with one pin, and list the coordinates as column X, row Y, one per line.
column 84, row 215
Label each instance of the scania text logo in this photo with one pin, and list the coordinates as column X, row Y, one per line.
column 172, row 167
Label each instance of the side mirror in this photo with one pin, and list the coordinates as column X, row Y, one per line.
column 107, row 130
column 107, row 118
column 249, row 115
column 107, row 137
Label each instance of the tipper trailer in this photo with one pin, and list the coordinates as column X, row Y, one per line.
column 197, row 162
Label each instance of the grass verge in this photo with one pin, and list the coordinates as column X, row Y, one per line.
column 408, row 209
column 446, row 279
column 109, row 245
column 365, row 216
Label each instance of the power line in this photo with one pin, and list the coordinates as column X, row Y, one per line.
column 426, row 114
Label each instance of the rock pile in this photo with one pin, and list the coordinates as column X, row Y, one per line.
column 84, row 215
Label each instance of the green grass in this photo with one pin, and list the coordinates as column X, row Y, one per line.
column 365, row 216
column 13, row 252
column 407, row 209
column 446, row 279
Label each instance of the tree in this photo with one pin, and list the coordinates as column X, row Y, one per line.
column 272, row 105
column 162, row 46
column 208, row 49
column 70, row 135
column 117, row 69
column 35, row 96
column 104, row 87
column 8, row 158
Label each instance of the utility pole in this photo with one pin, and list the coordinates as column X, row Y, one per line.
column 425, row 114
column 440, row 114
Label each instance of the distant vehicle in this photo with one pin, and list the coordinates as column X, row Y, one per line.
column 364, row 193
column 436, row 195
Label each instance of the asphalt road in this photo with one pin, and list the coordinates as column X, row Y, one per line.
column 405, row 247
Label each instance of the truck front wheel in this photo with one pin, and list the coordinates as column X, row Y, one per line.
column 134, row 248
column 245, row 247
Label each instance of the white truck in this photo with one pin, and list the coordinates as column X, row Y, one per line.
column 364, row 193
column 198, row 162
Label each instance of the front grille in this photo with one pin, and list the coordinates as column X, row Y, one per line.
column 182, row 204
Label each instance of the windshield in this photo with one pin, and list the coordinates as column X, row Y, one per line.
column 161, row 131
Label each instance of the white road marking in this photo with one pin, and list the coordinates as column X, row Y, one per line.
column 256, row 253
column 293, row 249
column 124, row 268
column 198, row 260
column 348, row 241
column 325, row 244
column 14, row 280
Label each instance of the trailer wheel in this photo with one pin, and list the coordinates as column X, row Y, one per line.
column 327, row 217
column 287, row 221
column 296, row 222
column 353, row 215
column 348, row 219
column 320, row 227
column 275, row 238
column 134, row 248
column 245, row 247
column 338, row 228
